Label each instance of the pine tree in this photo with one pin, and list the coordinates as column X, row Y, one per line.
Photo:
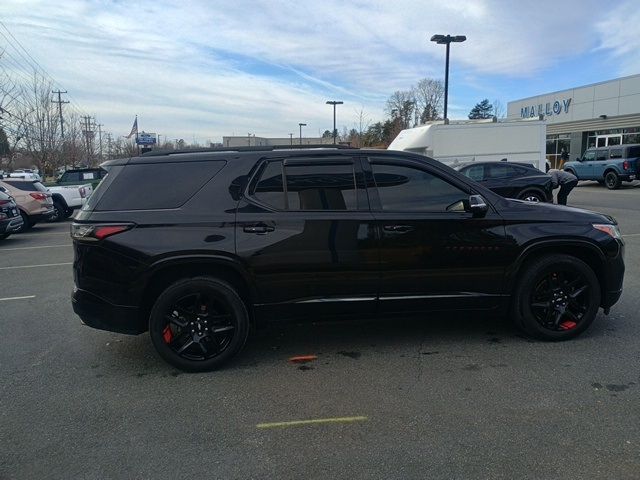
column 482, row 110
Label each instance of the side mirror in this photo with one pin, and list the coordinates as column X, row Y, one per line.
column 477, row 205
column 578, row 159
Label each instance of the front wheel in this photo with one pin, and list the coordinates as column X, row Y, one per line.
column 557, row 298
column 612, row 181
column 198, row 324
column 532, row 196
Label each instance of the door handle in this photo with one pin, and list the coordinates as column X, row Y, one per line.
column 259, row 229
column 398, row 228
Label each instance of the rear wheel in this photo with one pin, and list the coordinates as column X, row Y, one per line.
column 532, row 196
column 198, row 324
column 612, row 181
column 26, row 223
column 58, row 212
column 557, row 298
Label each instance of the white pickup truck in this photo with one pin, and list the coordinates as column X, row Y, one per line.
column 67, row 198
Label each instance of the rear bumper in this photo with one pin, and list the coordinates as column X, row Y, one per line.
column 98, row 313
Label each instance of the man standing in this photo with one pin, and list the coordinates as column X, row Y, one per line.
column 566, row 181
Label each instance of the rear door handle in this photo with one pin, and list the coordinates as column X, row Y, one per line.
column 398, row 228
column 259, row 229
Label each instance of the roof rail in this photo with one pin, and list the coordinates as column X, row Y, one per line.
column 265, row 148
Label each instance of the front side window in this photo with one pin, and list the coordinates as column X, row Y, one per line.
column 498, row 170
column 407, row 189
column 589, row 156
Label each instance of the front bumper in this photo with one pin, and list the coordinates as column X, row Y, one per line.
column 98, row 313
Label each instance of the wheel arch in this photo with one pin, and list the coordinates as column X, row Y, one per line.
column 580, row 249
column 168, row 271
column 532, row 188
column 60, row 199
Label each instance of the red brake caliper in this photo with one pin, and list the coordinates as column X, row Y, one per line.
column 568, row 325
column 167, row 334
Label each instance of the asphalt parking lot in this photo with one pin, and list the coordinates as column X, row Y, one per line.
column 451, row 398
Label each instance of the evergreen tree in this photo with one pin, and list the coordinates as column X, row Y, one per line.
column 482, row 110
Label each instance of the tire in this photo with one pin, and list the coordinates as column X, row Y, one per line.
column 532, row 196
column 26, row 225
column 189, row 304
column 59, row 211
column 68, row 212
column 612, row 180
column 4, row 236
column 562, row 313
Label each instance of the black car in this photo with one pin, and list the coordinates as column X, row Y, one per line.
column 244, row 235
column 511, row 179
column 10, row 218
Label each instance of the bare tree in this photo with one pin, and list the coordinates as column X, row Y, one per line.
column 400, row 106
column 429, row 97
column 499, row 111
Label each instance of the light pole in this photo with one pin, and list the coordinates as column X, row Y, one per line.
column 447, row 40
column 301, row 125
column 291, row 138
column 334, row 103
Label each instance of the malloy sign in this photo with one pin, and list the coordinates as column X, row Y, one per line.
column 548, row 109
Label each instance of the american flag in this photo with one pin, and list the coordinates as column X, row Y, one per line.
column 134, row 128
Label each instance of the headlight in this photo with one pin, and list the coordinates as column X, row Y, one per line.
column 612, row 230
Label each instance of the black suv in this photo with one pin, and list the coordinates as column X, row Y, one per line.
column 198, row 246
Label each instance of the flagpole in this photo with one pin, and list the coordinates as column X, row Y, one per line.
column 137, row 144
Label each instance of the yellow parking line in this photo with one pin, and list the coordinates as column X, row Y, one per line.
column 315, row 421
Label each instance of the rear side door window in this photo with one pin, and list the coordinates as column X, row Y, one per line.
column 311, row 185
column 602, row 155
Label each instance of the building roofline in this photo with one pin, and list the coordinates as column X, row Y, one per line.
column 637, row 75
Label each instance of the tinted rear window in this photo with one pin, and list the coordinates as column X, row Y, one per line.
column 155, row 186
column 26, row 186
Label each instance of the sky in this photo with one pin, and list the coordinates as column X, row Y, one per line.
column 199, row 70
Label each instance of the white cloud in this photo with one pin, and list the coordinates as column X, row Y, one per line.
column 213, row 68
column 617, row 34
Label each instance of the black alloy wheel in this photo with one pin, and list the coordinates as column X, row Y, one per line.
column 557, row 298
column 198, row 324
column 612, row 180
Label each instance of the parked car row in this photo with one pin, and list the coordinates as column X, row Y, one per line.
column 26, row 201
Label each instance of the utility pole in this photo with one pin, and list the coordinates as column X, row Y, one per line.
column 88, row 132
column 109, row 146
column 60, row 102
column 100, row 125
column 301, row 125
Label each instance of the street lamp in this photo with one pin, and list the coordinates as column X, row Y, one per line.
column 334, row 103
column 301, row 125
column 447, row 40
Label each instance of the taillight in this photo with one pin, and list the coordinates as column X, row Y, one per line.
column 39, row 196
column 94, row 233
column 4, row 202
column 625, row 165
column 83, row 192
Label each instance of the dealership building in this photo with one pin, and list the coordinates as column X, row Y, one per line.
column 601, row 114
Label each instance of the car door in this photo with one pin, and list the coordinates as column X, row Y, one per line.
column 584, row 169
column 433, row 253
column 600, row 163
column 498, row 179
column 307, row 236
